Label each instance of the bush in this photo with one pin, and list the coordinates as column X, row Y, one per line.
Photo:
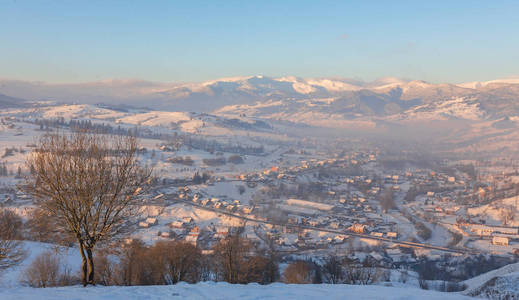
column 169, row 262
column 105, row 269
column 166, row 262
column 187, row 161
column 234, row 261
column 235, row 159
column 298, row 272
column 175, row 261
column 256, row 269
column 133, row 268
column 45, row 271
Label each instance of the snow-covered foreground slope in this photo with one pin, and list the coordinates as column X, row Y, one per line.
column 499, row 281
column 12, row 288
column 210, row 290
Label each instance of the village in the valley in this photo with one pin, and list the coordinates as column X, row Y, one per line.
column 299, row 196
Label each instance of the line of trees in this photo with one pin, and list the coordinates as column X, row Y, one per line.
column 132, row 262
column 234, row 259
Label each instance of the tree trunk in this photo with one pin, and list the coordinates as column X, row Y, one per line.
column 84, row 267
column 90, row 271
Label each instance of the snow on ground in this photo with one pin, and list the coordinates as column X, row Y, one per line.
column 155, row 118
column 211, row 290
column 496, row 284
column 12, row 288
column 502, row 287
column 493, row 211
column 80, row 111
column 481, row 84
column 460, row 107
column 478, row 281
column 66, row 111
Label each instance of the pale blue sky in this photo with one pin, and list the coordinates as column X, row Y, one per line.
column 438, row 41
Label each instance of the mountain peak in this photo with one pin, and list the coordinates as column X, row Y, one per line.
column 482, row 84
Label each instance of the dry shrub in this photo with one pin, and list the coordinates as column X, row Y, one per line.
column 46, row 271
column 236, row 262
column 105, row 269
column 167, row 262
column 175, row 261
column 299, row 272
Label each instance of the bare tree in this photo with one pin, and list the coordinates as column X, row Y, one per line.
column 132, row 268
column 360, row 273
column 387, row 200
column 332, row 269
column 105, row 269
column 89, row 184
column 230, row 257
column 507, row 214
column 11, row 249
column 271, row 255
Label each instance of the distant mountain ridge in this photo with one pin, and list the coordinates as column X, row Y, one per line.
column 10, row 102
column 292, row 97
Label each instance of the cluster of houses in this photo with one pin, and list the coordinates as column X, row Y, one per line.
column 348, row 203
column 290, row 173
column 498, row 235
column 450, row 200
column 231, row 206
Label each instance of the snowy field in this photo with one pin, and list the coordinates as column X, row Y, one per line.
column 211, row 290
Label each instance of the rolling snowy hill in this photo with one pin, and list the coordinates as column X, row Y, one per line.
column 496, row 284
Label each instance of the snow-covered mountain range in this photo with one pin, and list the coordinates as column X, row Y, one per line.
column 293, row 97
column 391, row 106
